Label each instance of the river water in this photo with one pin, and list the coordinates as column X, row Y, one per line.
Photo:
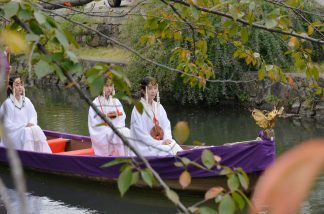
column 63, row 110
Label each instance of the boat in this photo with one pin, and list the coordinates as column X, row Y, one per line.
column 73, row 156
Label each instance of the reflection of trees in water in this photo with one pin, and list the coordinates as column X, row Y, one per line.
column 60, row 110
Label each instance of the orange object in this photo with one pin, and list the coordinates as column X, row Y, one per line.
column 57, row 145
column 88, row 151
column 114, row 114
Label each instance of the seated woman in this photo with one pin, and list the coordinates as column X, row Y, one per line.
column 104, row 141
column 151, row 130
column 20, row 120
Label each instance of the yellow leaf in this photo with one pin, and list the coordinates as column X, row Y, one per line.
column 293, row 42
column 310, row 29
column 185, row 179
column 213, row 192
column 15, row 41
column 181, row 132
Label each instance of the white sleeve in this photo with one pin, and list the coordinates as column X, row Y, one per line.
column 32, row 114
column 9, row 125
column 165, row 123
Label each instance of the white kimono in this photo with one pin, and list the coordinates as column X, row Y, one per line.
column 104, row 141
column 17, row 114
column 141, row 125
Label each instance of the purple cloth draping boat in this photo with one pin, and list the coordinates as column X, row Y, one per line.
column 252, row 156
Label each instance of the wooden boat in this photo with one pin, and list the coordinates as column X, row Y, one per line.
column 73, row 156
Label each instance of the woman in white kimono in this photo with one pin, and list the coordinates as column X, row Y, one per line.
column 20, row 120
column 151, row 130
column 104, row 141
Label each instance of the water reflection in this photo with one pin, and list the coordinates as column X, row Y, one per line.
column 65, row 111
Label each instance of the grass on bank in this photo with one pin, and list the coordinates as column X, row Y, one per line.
column 113, row 54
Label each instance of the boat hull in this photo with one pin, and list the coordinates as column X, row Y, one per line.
column 253, row 157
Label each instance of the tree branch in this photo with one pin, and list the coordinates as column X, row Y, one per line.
column 142, row 57
column 244, row 22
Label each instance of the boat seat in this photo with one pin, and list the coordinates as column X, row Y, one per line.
column 88, row 151
column 58, row 144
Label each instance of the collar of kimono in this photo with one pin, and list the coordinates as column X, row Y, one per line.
column 17, row 103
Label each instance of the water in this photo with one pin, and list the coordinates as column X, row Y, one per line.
column 65, row 111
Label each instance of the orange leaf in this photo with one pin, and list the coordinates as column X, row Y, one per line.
column 285, row 184
column 67, row 4
column 185, row 179
column 213, row 192
column 291, row 80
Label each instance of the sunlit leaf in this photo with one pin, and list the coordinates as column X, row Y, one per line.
column 227, row 205
column 185, row 179
column 15, row 41
column 244, row 35
column 181, row 132
column 213, row 192
column 207, row 158
column 125, row 180
column 173, row 196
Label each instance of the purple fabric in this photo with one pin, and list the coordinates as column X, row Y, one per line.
column 252, row 157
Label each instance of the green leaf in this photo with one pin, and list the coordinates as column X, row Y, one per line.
column 35, row 27
column 238, row 200
column 125, row 180
column 24, row 15
column 178, row 164
column 42, row 68
column 185, row 161
column 173, row 196
column 244, row 35
column 71, row 38
column 115, row 162
column 61, row 38
column 40, row 18
column 234, row 12
column 270, row 23
column 147, row 176
column 233, row 182
column 11, row 9
column 72, row 56
column 135, row 178
column 244, row 179
column 207, row 158
column 96, row 85
column 207, row 210
column 227, row 205
column 139, row 107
